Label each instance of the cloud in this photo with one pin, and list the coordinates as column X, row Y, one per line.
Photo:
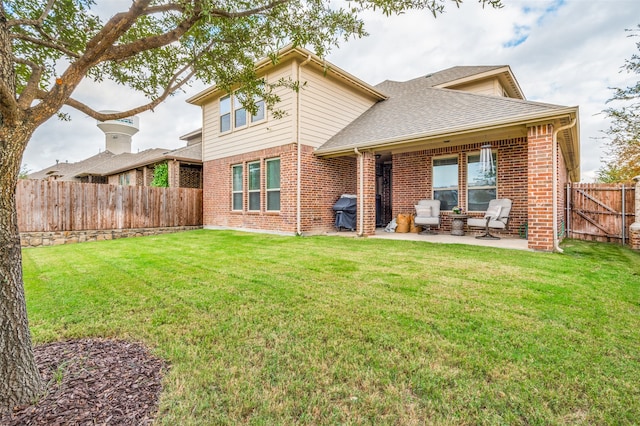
column 566, row 52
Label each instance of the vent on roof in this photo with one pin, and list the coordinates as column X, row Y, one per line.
column 428, row 75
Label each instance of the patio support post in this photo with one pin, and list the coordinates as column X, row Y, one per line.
column 634, row 229
column 367, row 194
column 540, row 187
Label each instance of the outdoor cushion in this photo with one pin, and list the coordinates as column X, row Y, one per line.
column 493, row 212
column 423, row 210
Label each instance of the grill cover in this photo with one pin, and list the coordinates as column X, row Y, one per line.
column 345, row 209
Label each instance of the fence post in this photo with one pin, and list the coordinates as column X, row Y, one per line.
column 634, row 229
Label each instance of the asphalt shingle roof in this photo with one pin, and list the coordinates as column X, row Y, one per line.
column 415, row 108
column 68, row 171
column 107, row 163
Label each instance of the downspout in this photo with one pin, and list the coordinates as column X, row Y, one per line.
column 299, row 154
column 554, row 184
column 361, row 195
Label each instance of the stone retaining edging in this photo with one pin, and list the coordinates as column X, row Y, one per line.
column 37, row 239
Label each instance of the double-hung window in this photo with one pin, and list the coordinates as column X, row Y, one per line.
column 445, row 182
column 273, row 184
column 481, row 182
column 237, row 187
column 259, row 115
column 239, row 113
column 225, row 114
column 254, row 186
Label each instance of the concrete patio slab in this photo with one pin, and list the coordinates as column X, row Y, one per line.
column 445, row 238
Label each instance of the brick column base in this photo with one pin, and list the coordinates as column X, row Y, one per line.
column 634, row 236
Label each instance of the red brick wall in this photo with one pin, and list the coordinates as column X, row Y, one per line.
column 410, row 180
column 540, row 187
column 412, row 177
column 217, row 192
column 323, row 181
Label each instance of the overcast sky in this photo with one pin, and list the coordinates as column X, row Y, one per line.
column 565, row 52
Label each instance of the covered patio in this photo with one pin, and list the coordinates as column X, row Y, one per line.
column 506, row 242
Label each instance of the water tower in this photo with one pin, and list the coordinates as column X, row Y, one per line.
column 118, row 132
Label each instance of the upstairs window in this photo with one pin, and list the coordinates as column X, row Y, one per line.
column 259, row 115
column 239, row 113
column 445, row 182
column 225, row 114
column 273, row 184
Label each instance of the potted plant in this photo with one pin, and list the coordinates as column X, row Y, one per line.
column 456, row 210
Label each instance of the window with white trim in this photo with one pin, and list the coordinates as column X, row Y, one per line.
column 237, row 187
column 273, row 184
column 260, row 112
column 445, row 182
column 481, row 184
column 239, row 113
column 225, row 114
column 254, row 185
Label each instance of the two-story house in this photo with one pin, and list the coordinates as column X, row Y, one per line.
column 391, row 144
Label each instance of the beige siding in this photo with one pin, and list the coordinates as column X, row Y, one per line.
column 326, row 106
column 491, row 87
column 266, row 134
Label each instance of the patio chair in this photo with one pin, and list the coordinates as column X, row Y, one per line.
column 427, row 215
column 496, row 217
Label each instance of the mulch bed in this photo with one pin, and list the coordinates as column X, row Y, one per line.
column 93, row 382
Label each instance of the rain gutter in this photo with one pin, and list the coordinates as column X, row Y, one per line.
column 554, row 183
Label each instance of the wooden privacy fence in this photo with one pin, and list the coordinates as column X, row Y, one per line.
column 54, row 206
column 600, row 212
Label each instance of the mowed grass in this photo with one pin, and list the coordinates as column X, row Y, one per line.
column 263, row 329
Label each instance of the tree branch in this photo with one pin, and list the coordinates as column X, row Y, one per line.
column 249, row 12
column 148, row 43
column 127, row 50
column 8, row 104
column 43, row 43
column 31, row 90
column 33, row 22
column 172, row 87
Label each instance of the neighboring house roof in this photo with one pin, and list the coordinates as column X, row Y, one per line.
column 68, row 171
column 125, row 161
column 106, row 163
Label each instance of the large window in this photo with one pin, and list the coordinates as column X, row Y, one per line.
column 273, row 184
column 254, row 186
column 481, row 182
column 225, row 114
column 231, row 108
column 237, row 187
column 445, row 182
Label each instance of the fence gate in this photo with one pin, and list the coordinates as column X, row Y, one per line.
column 600, row 212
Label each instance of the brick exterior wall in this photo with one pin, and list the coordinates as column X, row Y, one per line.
column 323, row 181
column 412, row 179
column 524, row 176
column 540, row 187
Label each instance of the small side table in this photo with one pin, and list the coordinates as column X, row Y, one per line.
column 457, row 224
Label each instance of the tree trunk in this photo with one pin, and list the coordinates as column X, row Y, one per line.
column 20, row 381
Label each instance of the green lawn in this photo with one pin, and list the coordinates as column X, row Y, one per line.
column 264, row 329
